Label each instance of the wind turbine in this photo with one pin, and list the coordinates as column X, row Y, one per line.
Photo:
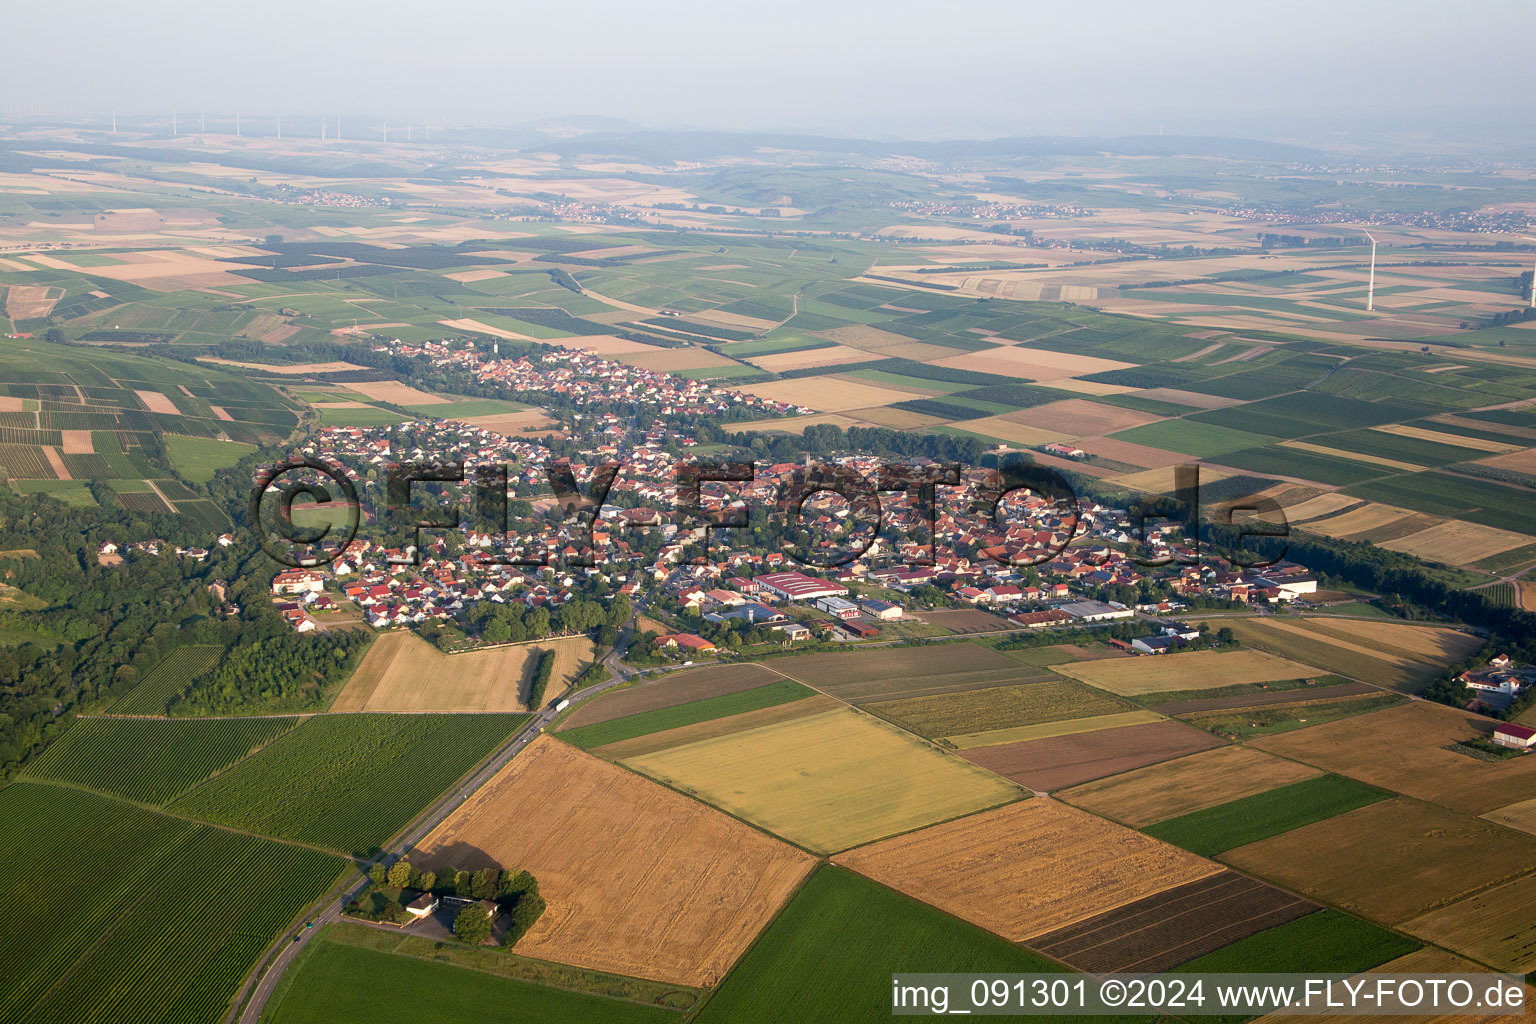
column 1529, row 238
column 1370, row 293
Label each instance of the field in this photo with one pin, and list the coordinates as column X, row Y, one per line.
column 199, row 458
column 394, row 392
column 682, row 735
column 1304, row 639
column 1520, row 816
column 1421, row 962
column 829, row 781
column 1189, row 784
column 1495, row 926
column 1027, row 868
column 1268, row 719
column 1326, row 941
column 151, row 761
column 840, row 939
column 891, row 672
column 1403, row 749
column 1189, row 702
column 643, row 724
column 1137, row 676
column 402, row 672
column 1062, row 761
column 996, row 707
column 344, row 984
column 114, row 958
column 166, row 680
column 1249, row 819
column 1046, row 730
column 1391, row 861
column 639, row 880
column 1169, row 928
column 348, row 782
column 670, row 690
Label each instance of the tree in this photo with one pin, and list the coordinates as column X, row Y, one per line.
column 378, row 874
column 472, row 924
column 400, row 873
column 428, row 880
column 54, row 336
column 483, row 885
column 524, row 915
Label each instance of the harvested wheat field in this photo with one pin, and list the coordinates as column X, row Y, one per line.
column 1520, row 816
column 1028, row 867
column 1030, row 363
column 1191, row 783
column 835, row 355
column 286, row 369
column 1195, row 670
column 670, row 690
column 1361, row 520
column 685, row 734
column 829, row 781
column 402, row 672
column 1046, row 730
column 512, row 423
column 1457, row 542
column 1308, row 639
column 1005, row 429
column 1403, row 749
column 1390, row 861
column 393, row 392
column 1082, row 417
column 673, row 359
column 1495, row 926
column 1068, row 760
column 827, row 394
column 1422, row 962
column 1423, row 643
column 639, row 880
column 31, row 301
column 154, row 401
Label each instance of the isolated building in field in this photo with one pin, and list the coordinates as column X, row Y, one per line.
column 1520, row 737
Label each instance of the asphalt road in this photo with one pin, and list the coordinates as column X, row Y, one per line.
column 282, row 953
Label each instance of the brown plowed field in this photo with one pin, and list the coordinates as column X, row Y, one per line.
column 1174, row 926
column 1028, row 866
column 639, row 880
column 1391, row 861
column 671, row 690
column 1403, row 749
column 1062, row 761
column 1189, row 784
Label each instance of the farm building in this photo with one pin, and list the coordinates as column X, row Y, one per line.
column 881, row 609
column 1096, row 611
column 422, row 906
column 1156, row 644
column 1519, row 737
column 840, row 607
column 687, row 641
column 1042, row 619
column 795, row 586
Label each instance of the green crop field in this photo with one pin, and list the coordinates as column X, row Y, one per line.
column 343, row 984
column 361, row 416
column 144, row 917
column 1191, row 437
column 151, row 760
column 830, row 955
column 348, row 782
column 647, row 722
column 1325, row 469
column 166, row 680
column 1477, row 501
column 1240, row 822
column 198, row 458
column 1328, row 941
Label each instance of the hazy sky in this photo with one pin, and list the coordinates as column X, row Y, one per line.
column 935, row 68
